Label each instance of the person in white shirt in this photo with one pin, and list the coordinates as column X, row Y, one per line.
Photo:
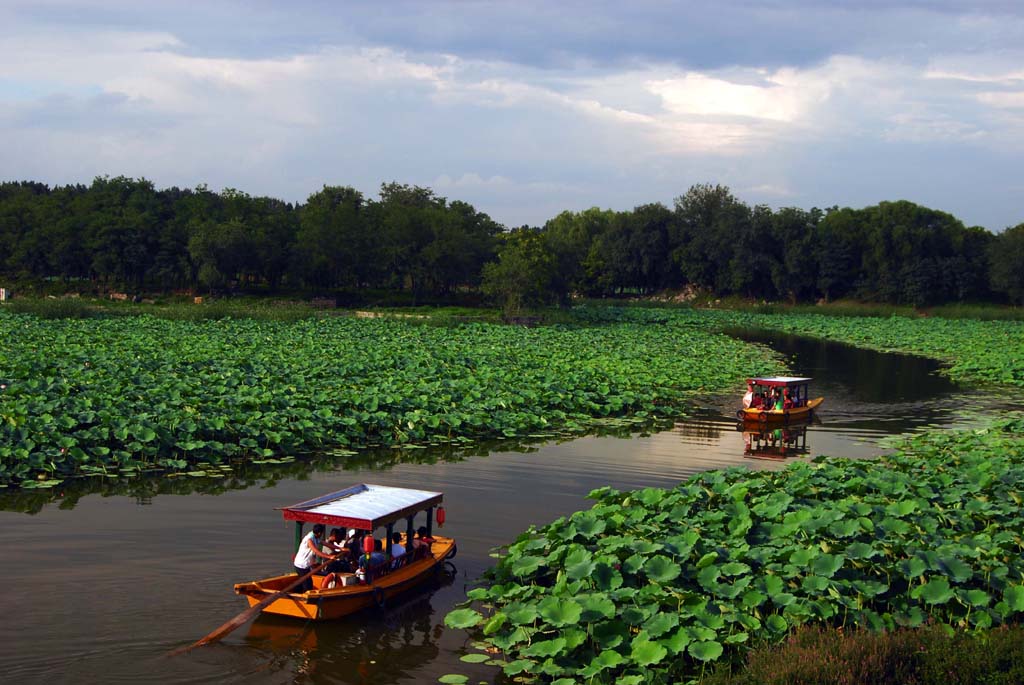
column 305, row 557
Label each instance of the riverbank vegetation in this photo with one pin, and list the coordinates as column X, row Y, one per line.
column 906, row 656
column 656, row 586
column 124, row 236
column 975, row 351
column 123, row 395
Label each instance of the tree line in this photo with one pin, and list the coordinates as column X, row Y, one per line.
column 124, row 233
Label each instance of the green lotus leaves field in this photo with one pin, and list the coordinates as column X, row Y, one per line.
column 675, row 579
column 120, row 396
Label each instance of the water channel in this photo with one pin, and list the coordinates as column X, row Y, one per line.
column 101, row 590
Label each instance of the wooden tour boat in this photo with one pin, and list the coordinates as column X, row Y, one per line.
column 364, row 508
column 802, row 404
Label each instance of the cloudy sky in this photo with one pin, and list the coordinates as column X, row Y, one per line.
column 525, row 109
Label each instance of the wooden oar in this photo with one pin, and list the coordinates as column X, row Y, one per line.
column 244, row 617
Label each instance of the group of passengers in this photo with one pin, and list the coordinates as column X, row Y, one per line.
column 769, row 398
column 342, row 552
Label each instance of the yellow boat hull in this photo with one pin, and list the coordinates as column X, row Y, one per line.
column 325, row 604
column 780, row 415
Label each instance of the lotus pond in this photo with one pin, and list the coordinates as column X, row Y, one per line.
column 651, row 585
column 123, row 396
column 133, row 567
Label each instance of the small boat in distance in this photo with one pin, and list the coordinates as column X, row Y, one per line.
column 778, row 399
column 364, row 508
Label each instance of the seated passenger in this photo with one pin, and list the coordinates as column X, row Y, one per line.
column 334, row 546
column 374, row 559
column 787, row 401
column 420, row 544
column 397, row 549
column 758, row 402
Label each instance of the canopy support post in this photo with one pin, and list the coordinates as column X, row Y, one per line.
column 298, row 535
column 387, row 548
column 430, row 522
column 408, row 534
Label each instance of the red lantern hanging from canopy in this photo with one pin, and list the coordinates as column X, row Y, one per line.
column 440, row 517
column 368, row 544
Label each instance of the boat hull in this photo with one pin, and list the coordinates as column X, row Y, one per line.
column 320, row 605
column 780, row 415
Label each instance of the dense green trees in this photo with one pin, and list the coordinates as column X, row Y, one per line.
column 1007, row 251
column 122, row 233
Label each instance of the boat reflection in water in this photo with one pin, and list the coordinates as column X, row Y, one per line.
column 775, row 443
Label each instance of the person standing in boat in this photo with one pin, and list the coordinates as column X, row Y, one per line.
column 748, row 398
column 309, row 550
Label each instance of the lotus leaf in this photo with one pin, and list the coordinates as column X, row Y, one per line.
column 544, row 648
column 860, row 550
column 610, row 634
column 803, row 556
column 935, row 591
column 776, row 623
column 560, row 612
column 661, row 569
column 526, row 565
column 590, row 526
column 633, row 564
column 707, row 560
column 956, row 569
column 734, row 568
column 677, row 642
column 661, row 623
column 605, row 577
column 474, row 658
column 605, row 660
column 453, row 679
column 519, row 666
column 1013, row 596
column 646, row 653
column 708, row 577
column 463, row 618
column 646, row 547
column 826, row 565
column 595, row 607
column 708, row 650
column 913, row 568
column 494, row 623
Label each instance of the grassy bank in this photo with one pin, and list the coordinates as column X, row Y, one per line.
column 908, row 656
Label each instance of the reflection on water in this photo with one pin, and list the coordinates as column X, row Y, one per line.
column 100, row 593
column 774, row 443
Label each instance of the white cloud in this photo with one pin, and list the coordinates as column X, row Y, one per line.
column 520, row 138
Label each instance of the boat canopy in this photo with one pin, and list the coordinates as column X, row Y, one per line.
column 779, row 381
column 363, row 507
